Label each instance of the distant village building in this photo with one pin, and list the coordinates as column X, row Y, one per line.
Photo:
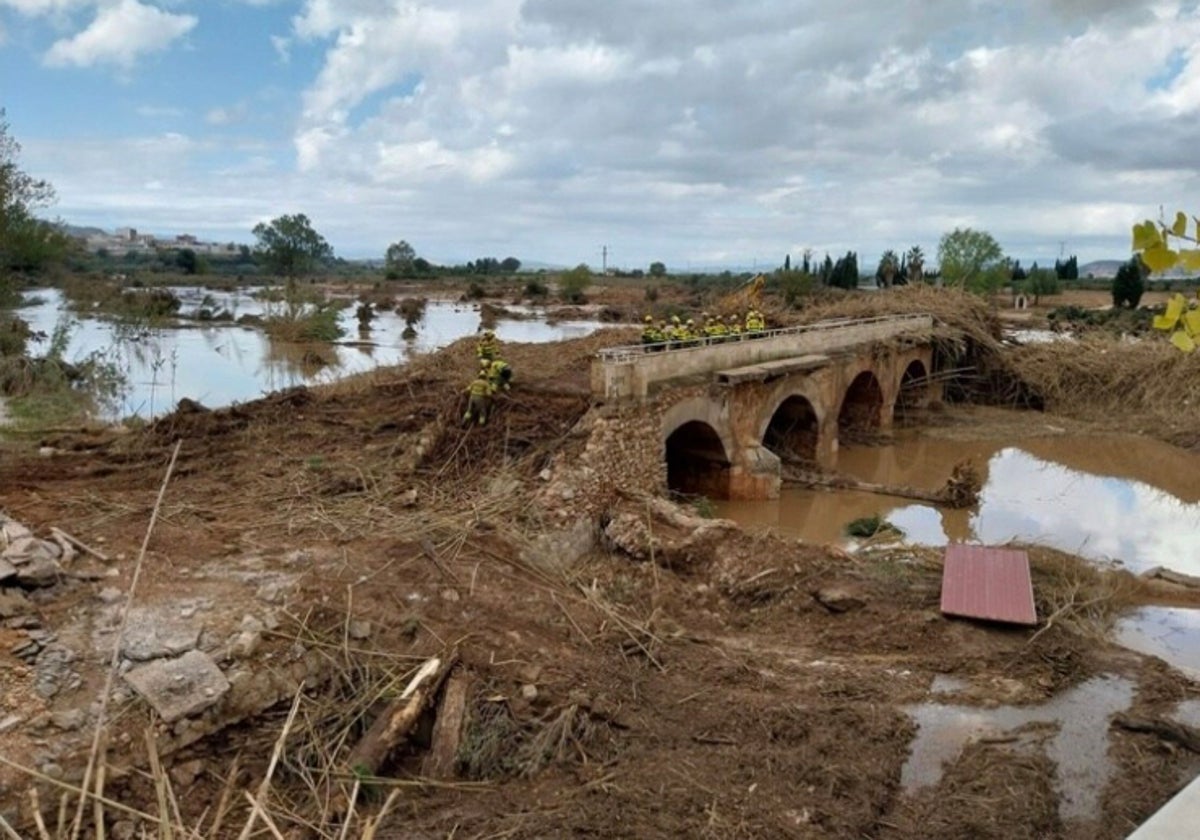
column 125, row 240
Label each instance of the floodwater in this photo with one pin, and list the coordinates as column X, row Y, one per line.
column 1079, row 747
column 217, row 364
column 1127, row 499
column 1170, row 633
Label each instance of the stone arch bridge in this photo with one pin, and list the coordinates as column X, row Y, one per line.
column 720, row 414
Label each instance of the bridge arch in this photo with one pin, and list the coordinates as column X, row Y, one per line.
column 913, row 390
column 791, row 424
column 698, row 449
column 862, row 405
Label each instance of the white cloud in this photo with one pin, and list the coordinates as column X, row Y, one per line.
column 119, row 34
column 34, row 8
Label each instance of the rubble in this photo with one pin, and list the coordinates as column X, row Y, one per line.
column 179, row 688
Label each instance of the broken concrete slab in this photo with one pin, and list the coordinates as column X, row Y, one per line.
column 179, row 688
column 155, row 632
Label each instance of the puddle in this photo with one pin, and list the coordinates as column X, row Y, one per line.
column 1170, row 633
column 1187, row 713
column 219, row 364
column 1079, row 748
column 1130, row 499
column 943, row 684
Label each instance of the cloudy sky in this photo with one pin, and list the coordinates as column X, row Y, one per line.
column 703, row 133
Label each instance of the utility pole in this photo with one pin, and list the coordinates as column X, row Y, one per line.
column 604, row 259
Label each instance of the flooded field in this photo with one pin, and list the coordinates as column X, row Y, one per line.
column 218, row 364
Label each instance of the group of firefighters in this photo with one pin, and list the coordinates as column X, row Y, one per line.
column 714, row 328
column 494, row 375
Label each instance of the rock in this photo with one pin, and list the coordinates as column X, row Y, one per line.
column 7, row 570
column 450, row 595
column 185, row 774
column 11, row 531
column 359, row 629
column 69, row 720
column 529, row 692
column 47, row 451
column 544, row 475
column 14, row 603
column 9, row 722
column 38, row 573
column 54, row 771
column 179, row 688
column 666, row 532
column 250, row 624
column 111, row 595
column 53, row 671
column 245, row 644
column 24, row 549
column 839, row 598
column 153, row 633
column 124, row 830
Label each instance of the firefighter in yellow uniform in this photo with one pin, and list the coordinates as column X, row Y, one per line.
column 754, row 322
column 499, row 374
column 735, row 328
column 650, row 333
column 480, row 397
column 488, row 347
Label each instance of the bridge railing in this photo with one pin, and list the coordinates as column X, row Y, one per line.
column 626, row 352
column 629, row 370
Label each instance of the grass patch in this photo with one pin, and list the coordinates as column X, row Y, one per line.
column 871, row 526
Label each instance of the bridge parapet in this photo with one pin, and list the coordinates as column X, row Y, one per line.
column 629, row 371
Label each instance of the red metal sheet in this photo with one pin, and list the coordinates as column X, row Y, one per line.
column 988, row 583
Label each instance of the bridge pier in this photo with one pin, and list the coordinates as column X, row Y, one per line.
column 755, row 474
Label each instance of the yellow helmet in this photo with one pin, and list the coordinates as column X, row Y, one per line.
column 649, row 319
column 674, row 319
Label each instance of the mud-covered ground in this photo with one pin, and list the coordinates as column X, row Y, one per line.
column 765, row 688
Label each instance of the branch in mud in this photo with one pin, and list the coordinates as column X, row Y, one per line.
column 1186, row 736
column 961, row 490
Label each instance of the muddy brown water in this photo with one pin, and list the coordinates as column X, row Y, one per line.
column 1129, row 500
column 1126, row 500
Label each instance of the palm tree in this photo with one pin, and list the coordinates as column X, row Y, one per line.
column 916, row 264
column 889, row 264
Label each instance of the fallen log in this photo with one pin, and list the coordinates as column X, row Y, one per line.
column 399, row 719
column 1168, row 730
column 1171, row 576
column 961, row 489
column 448, row 728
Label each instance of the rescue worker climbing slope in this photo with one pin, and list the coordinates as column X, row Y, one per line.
column 499, row 374
column 479, row 399
column 488, row 347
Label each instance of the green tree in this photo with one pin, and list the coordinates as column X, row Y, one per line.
column 844, row 273
column 572, row 283
column 972, row 259
column 1129, row 284
column 27, row 243
column 510, row 265
column 400, row 258
column 185, row 258
column 290, row 246
column 1040, row 282
column 658, row 269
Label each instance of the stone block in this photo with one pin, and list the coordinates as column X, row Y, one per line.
column 179, row 688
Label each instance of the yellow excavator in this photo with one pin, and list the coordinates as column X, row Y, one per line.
column 742, row 299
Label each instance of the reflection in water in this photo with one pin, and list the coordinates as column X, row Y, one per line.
column 218, row 363
column 1103, row 506
column 1079, row 750
column 1170, row 633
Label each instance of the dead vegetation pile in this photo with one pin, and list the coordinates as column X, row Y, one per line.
column 1147, row 384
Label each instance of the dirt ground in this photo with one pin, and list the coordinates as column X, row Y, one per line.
column 766, row 689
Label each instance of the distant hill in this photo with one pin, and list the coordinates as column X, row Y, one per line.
column 1101, row 268
column 83, row 232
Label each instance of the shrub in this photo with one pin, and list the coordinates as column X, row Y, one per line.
column 536, row 289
